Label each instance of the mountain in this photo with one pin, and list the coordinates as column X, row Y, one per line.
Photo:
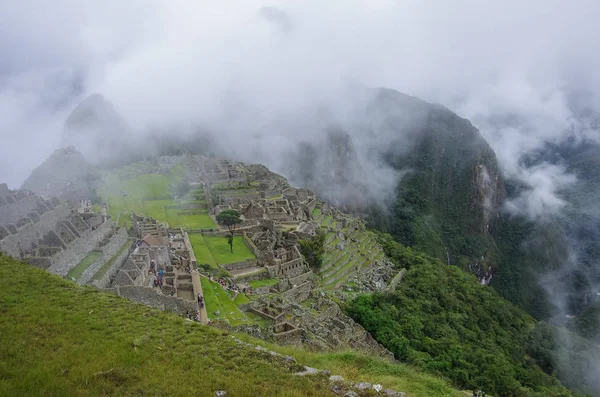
column 448, row 199
column 98, row 130
column 66, row 174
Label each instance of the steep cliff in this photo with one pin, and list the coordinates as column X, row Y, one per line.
column 452, row 188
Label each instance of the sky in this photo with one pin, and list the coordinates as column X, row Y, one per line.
column 511, row 67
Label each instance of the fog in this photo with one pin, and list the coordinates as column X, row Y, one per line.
column 264, row 77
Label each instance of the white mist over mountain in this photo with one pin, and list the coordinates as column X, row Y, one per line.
column 241, row 69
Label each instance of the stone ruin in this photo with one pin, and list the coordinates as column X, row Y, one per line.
column 166, row 251
column 49, row 234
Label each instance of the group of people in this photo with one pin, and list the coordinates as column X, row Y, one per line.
column 158, row 275
column 200, row 301
column 195, row 316
column 228, row 284
column 478, row 393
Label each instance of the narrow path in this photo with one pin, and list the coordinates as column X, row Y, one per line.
column 198, row 290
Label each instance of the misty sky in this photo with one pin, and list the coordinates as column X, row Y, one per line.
column 511, row 67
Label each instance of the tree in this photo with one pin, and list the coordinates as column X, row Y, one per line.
column 313, row 250
column 229, row 218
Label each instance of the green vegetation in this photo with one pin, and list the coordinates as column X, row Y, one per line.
column 60, row 339
column 201, row 251
column 217, row 299
column 241, row 299
column 189, row 219
column 357, row 367
column 441, row 319
column 263, row 283
column 102, row 271
column 219, row 248
column 229, row 218
column 313, row 250
column 78, row 270
column 151, row 194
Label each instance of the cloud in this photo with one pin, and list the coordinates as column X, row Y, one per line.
column 241, row 68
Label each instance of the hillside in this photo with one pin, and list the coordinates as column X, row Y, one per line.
column 62, row 339
column 451, row 187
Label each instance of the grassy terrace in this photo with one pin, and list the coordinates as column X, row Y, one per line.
column 78, row 270
column 203, row 255
column 217, row 299
column 102, row 271
column 189, row 219
column 219, row 248
column 263, row 283
column 145, row 194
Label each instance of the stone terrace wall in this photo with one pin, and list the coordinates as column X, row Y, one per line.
column 105, row 281
column 240, row 265
column 298, row 294
column 108, row 251
column 10, row 213
column 250, row 244
column 78, row 249
column 308, row 276
column 29, row 235
column 149, row 297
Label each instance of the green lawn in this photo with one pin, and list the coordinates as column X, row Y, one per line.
column 102, row 271
column 78, row 270
column 240, row 299
column 189, row 221
column 219, row 248
column 217, row 299
column 148, row 185
column 203, row 255
column 263, row 283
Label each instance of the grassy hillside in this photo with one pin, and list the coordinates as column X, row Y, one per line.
column 62, row 339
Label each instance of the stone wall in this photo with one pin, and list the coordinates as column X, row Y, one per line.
column 29, row 235
column 293, row 268
column 105, row 281
column 286, row 333
column 257, row 275
column 147, row 296
column 190, row 249
column 301, row 279
column 298, row 294
column 113, row 246
column 240, row 265
column 396, row 280
column 250, row 244
column 70, row 257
